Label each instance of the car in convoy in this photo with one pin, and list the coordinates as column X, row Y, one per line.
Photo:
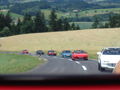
column 108, row 58
column 66, row 53
column 52, row 53
column 79, row 54
column 40, row 52
column 25, row 52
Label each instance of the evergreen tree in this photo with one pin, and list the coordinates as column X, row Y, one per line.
column 96, row 22
column 27, row 17
column 53, row 21
column 5, row 32
column 18, row 26
column 106, row 25
column 59, row 25
column 73, row 26
column 40, row 23
column 26, row 26
column 77, row 27
column 2, row 21
column 114, row 21
column 66, row 24
column 8, row 19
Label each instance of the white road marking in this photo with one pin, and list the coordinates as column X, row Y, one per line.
column 84, row 68
column 54, row 57
column 61, row 58
column 70, row 59
column 77, row 62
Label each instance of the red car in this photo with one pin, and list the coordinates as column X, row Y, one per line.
column 52, row 53
column 25, row 52
column 79, row 54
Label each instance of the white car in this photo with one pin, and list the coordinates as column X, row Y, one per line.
column 108, row 58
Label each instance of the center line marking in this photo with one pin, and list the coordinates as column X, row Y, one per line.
column 70, row 59
column 84, row 68
column 77, row 62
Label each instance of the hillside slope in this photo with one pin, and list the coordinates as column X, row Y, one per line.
column 90, row 40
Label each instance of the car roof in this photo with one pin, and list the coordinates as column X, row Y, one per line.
column 50, row 50
column 39, row 50
column 78, row 50
column 65, row 50
column 111, row 47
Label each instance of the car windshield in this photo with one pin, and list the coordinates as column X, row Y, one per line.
column 112, row 52
column 66, row 51
column 79, row 51
column 51, row 51
column 59, row 37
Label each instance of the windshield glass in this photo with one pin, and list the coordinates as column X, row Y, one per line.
column 51, row 51
column 63, row 37
column 66, row 51
column 112, row 52
column 79, row 51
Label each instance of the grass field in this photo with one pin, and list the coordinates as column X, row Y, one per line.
column 13, row 15
column 11, row 63
column 70, row 14
column 90, row 40
column 84, row 25
column 87, row 13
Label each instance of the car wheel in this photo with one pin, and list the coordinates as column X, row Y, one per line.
column 73, row 59
column 85, row 58
column 100, row 68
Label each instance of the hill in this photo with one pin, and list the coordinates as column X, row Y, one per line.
column 89, row 40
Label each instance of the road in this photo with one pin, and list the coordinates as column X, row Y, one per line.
column 57, row 65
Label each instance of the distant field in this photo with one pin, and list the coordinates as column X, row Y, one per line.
column 71, row 14
column 89, row 40
column 47, row 13
column 13, row 64
column 93, row 12
column 84, row 25
column 85, row 13
column 13, row 15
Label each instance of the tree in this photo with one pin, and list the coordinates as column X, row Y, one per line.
column 2, row 21
column 16, row 28
column 66, row 24
column 106, row 25
column 40, row 23
column 5, row 32
column 27, row 17
column 96, row 22
column 8, row 19
column 73, row 26
column 59, row 25
column 26, row 25
column 77, row 27
column 53, row 21
column 114, row 21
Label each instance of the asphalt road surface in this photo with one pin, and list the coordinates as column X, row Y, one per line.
column 56, row 65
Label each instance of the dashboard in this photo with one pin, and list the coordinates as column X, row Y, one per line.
column 43, row 82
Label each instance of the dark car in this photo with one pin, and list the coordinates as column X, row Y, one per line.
column 66, row 53
column 79, row 54
column 52, row 53
column 40, row 52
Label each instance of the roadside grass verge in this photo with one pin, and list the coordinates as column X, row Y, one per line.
column 13, row 64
